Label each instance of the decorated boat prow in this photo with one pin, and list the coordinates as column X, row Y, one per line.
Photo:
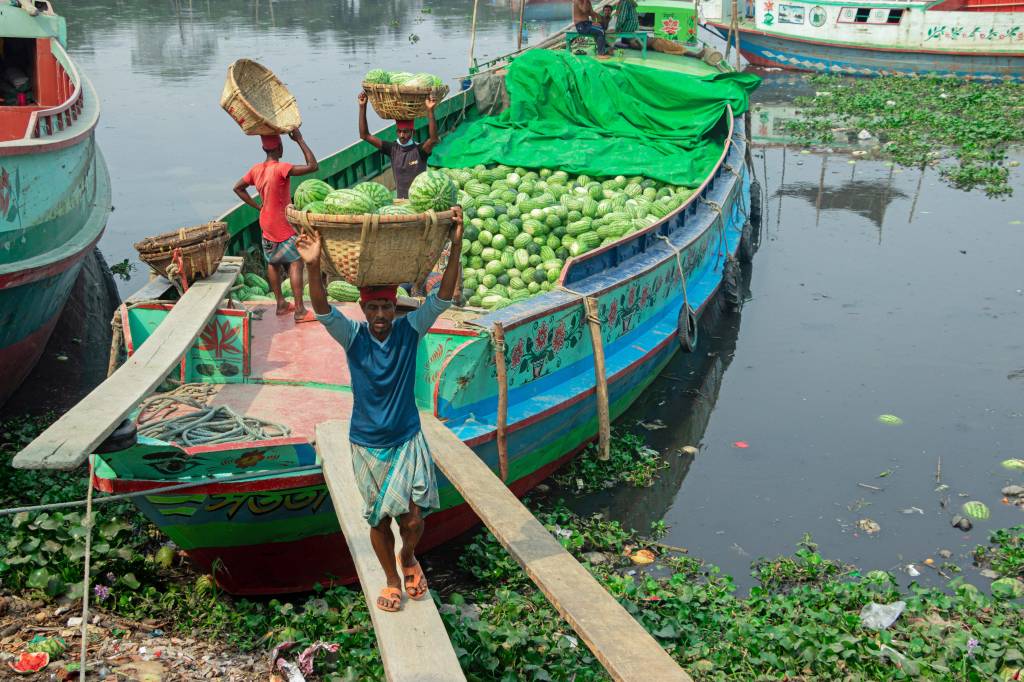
column 54, row 186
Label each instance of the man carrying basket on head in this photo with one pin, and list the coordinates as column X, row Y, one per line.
column 390, row 458
column 271, row 178
column 408, row 158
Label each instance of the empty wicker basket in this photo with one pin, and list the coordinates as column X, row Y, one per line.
column 258, row 101
column 401, row 102
column 201, row 249
column 373, row 250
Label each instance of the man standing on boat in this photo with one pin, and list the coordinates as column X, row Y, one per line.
column 392, row 463
column 584, row 16
column 271, row 178
column 408, row 158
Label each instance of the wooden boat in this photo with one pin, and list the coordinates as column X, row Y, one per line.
column 279, row 533
column 54, row 186
column 956, row 38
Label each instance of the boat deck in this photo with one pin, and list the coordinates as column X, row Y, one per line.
column 299, row 375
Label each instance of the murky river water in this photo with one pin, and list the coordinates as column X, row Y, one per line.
column 876, row 290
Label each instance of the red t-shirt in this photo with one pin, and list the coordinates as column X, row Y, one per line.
column 271, row 181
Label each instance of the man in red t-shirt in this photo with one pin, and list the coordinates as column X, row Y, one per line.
column 271, row 179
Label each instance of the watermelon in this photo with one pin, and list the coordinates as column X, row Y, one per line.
column 254, row 281
column 316, row 207
column 432, row 190
column 399, row 77
column 400, row 209
column 348, row 202
column 341, row 290
column 378, row 193
column 309, row 191
column 377, row 76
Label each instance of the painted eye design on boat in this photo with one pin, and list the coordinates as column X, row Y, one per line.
column 170, row 463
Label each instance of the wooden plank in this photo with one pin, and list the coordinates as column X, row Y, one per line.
column 621, row 644
column 413, row 643
column 74, row 436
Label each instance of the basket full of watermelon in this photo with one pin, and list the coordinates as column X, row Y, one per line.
column 401, row 95
column 369, row 240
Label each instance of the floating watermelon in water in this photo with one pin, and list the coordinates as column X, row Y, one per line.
column 401, row 209
column 309, row 191
column 348, row 202
column 379, row 76
column 316, row 207
column 432, row 190
column 378, row 193
column 976, row 509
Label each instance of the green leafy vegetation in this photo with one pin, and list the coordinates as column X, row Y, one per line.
column 630, row 461
column 966, row 127
column 1006, row 555
column 800, row 622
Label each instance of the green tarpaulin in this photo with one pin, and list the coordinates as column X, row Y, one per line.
column 584, row 116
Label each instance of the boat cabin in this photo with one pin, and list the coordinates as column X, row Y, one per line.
column 38, row 84
column 669, row 19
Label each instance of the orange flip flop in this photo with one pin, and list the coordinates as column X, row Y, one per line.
column 308, row 317
column 390, row 599
column 415, row 582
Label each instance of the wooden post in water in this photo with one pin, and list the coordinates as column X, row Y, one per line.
column 519, row 37
column 472, row 36
column 499, row 360
column 600, row 380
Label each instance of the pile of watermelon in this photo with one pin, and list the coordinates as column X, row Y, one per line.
column 521, row 225
column 416, row 80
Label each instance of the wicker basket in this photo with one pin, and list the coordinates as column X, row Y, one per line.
column 374, row 250
column 258, row 101
column 401, row 102
column 201, row 249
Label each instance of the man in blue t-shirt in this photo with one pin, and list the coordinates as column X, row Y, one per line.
column 392, row 463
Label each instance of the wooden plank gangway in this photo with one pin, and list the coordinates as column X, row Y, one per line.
column 413, row 643
column 623, row 646
column 74, row 436
column 408, row 647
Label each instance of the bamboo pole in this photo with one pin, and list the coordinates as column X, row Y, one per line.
column 600, row 380
column 519, row 37
column 472, row 35
column 498, row 335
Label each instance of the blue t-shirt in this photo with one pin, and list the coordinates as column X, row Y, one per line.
column 384, row 413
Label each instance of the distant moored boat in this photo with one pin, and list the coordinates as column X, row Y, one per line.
column 955, row 38
column 54, row 186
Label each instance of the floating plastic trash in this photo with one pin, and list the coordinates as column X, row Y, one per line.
column 643, row 556
column 741, row 444
column 881, row 616
column 890, row 419
column 1013, row 463
column 1007, row 588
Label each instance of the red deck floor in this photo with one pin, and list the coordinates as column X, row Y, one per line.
column 300, row 408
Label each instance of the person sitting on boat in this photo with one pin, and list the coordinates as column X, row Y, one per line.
column 390, row 457
column 584, row 16
column 408, row 158
column 271, row 178
column 627, row 21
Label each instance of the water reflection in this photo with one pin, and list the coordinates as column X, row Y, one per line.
column 863, row 197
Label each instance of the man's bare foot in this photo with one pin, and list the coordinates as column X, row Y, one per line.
column 283, row 307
